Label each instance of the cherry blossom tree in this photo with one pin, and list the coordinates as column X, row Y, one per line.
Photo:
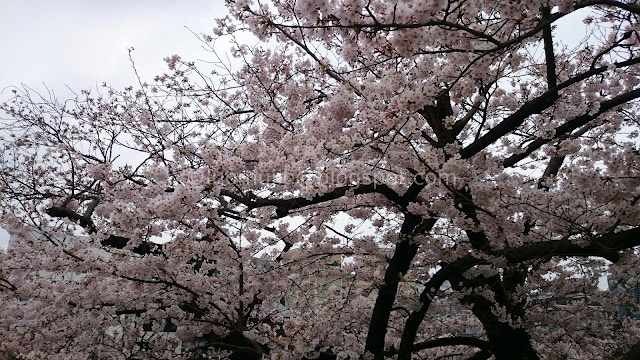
column 372, row 179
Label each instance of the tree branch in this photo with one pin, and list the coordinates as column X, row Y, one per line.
column 283, row 206
column 541, row 103
column 571, row 125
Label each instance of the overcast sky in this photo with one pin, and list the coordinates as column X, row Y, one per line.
column 79, row 44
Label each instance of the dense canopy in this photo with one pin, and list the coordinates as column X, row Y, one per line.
column 352, row 180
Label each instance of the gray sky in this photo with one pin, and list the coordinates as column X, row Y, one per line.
column 83, row 43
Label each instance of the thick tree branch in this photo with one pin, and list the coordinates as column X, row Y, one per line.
column 573, row 124
column 507, row 342
column 113, row 241
column 543, row 102
column 435, row 116
column 550, row 58
column 633, row 353
column 633, row 8
column 607, row 246
column 399, row 264
column 283, row 206
column 432, row 287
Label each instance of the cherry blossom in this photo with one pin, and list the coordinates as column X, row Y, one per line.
column 353, row 180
